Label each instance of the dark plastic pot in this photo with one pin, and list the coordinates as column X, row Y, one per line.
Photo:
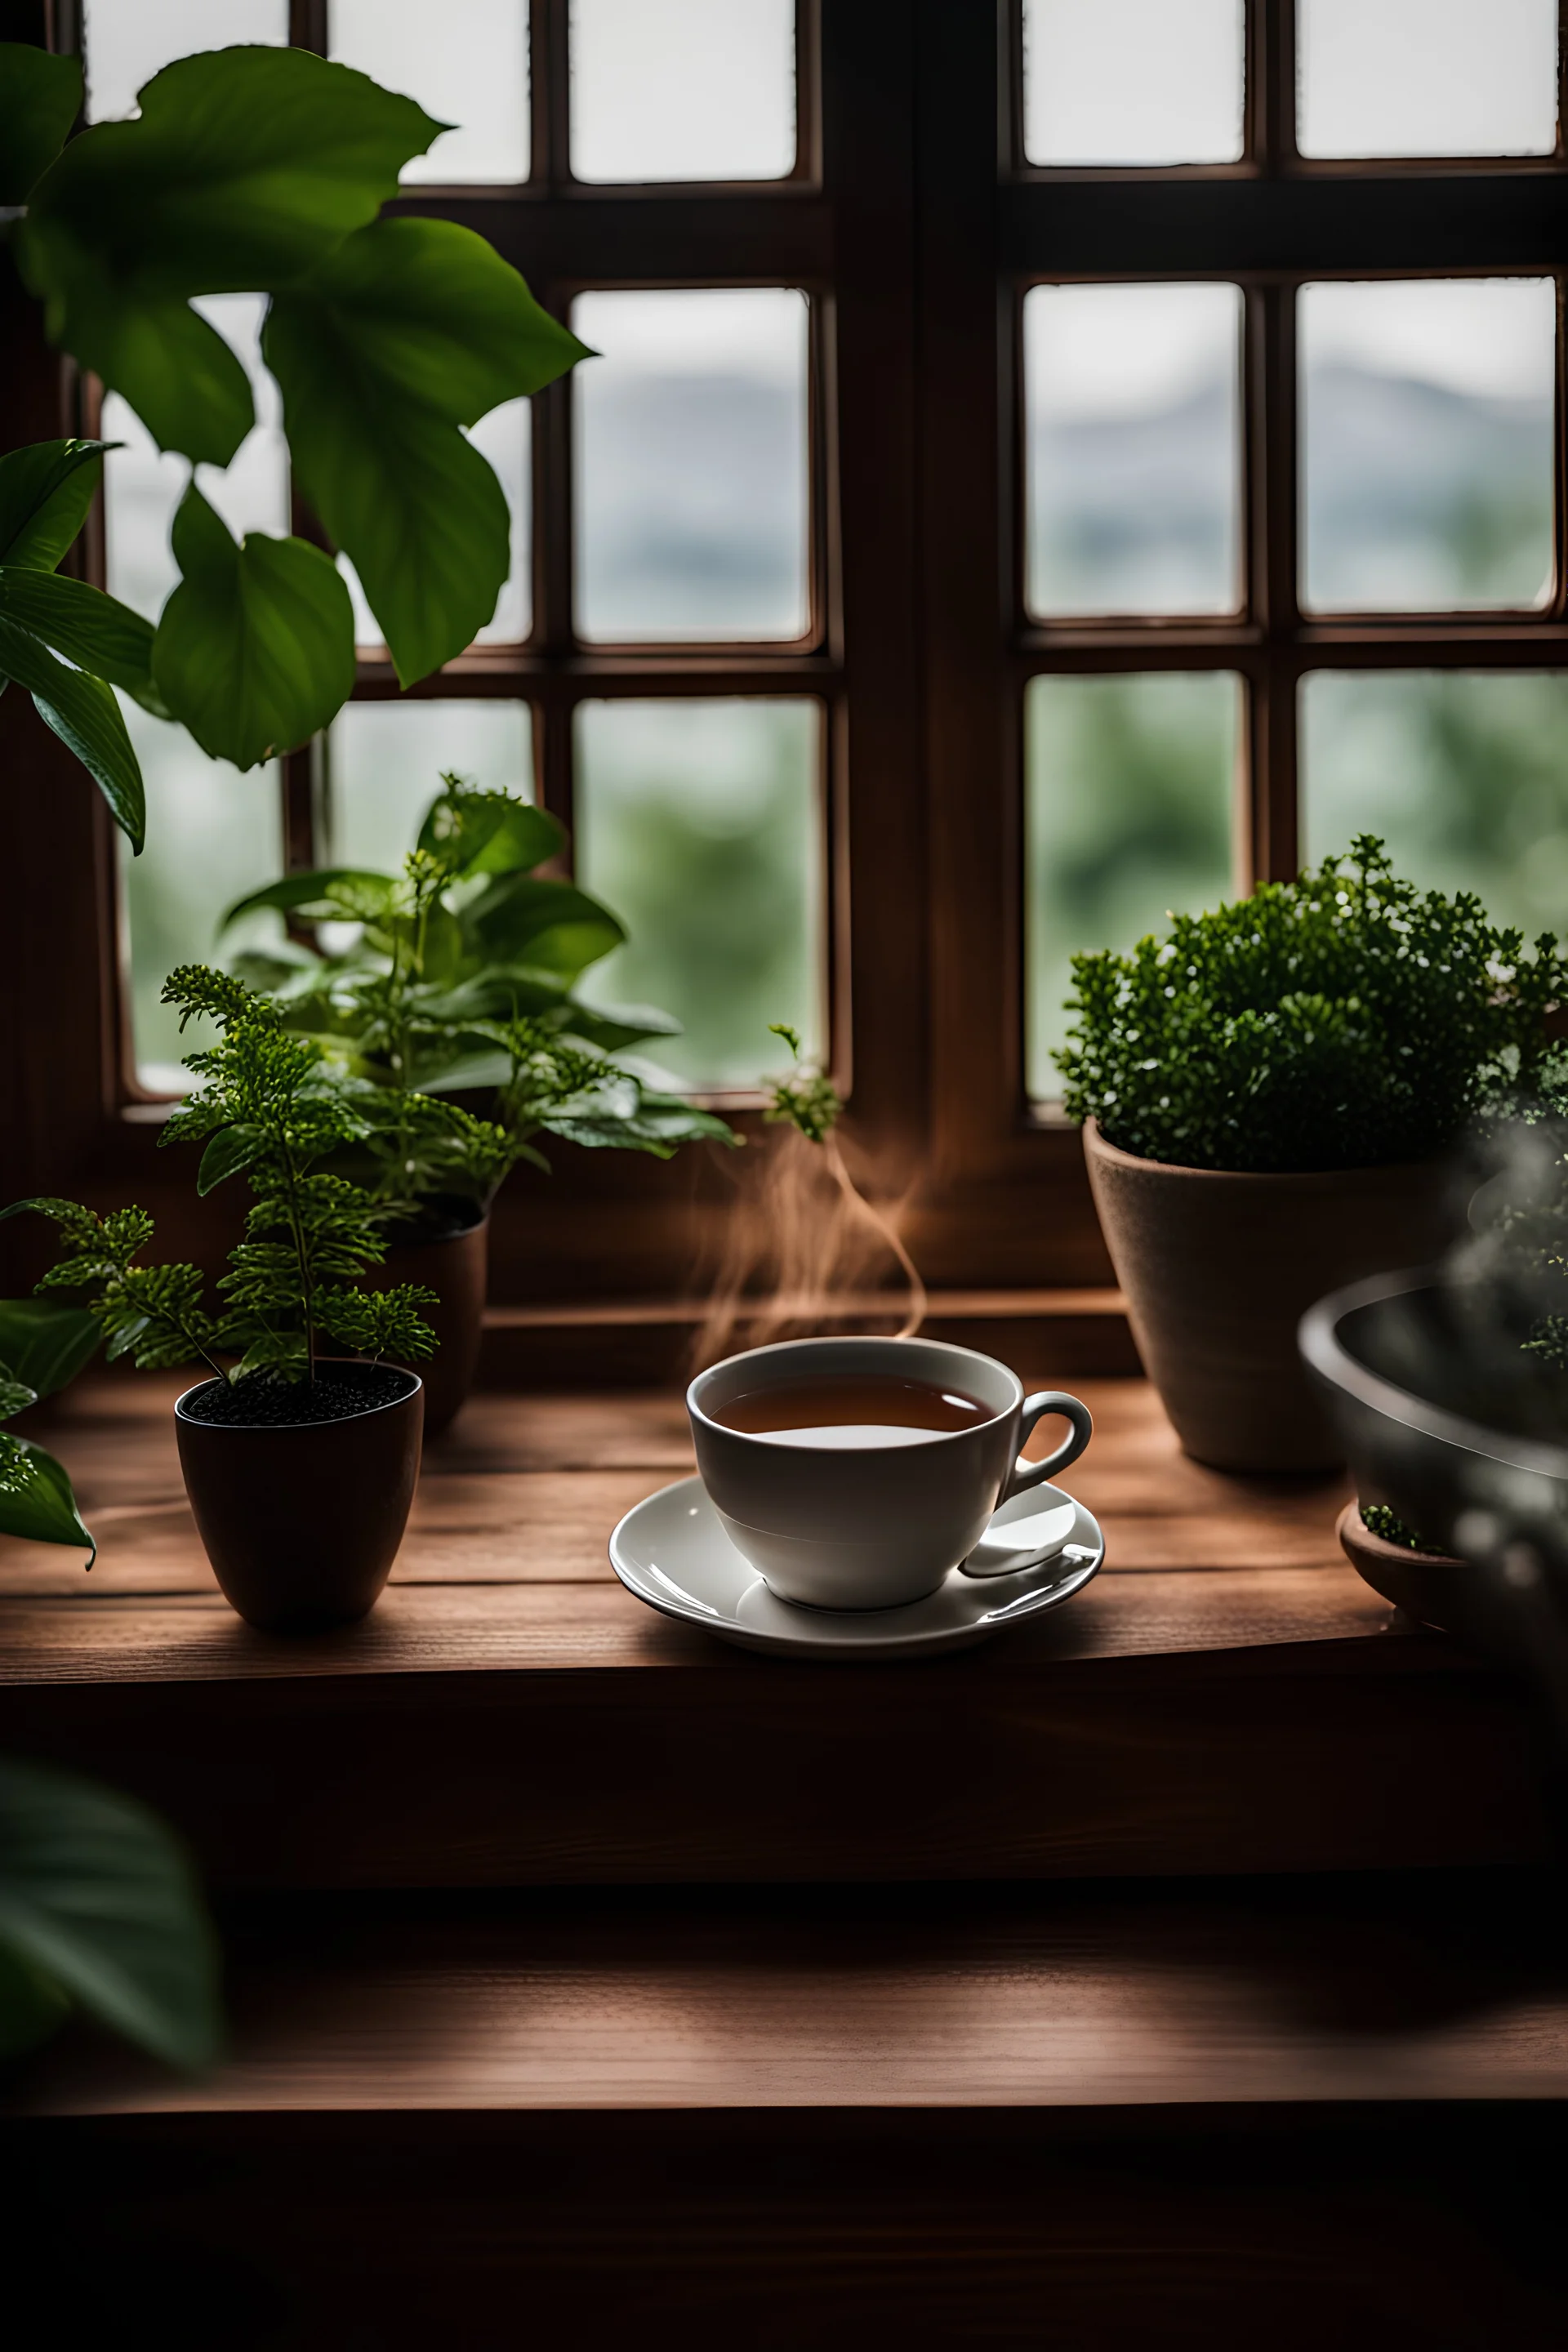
column 302, row 1524
column 1218, row 1268
column 1412, row 1393
column 456, row 1265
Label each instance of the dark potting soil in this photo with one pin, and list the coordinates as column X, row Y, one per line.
column 263, row 1402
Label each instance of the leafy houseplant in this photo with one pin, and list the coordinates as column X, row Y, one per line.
column 262, row 171
column 461, row 975
column 300, row 1467
column 1266, row 1097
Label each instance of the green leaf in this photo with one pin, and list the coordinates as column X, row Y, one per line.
column 246, row 167
column 97, row 1895
column 36, row 1497
column 255, row 650
column 40, row 98
column 559, row 926
column 231, row 1151
column 99, row 636
column 45, row 491
column 325, row 894
column 86, row 718
column 409, row 330
column 15, row 1396
column 488, row 833
column 44, row 1344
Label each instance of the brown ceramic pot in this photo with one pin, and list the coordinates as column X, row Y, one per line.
column 1419, row 1582
column 456, row 1266
column 302, row 1524
column 1218, row 1269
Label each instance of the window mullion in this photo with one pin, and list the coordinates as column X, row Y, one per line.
column 1269, row 850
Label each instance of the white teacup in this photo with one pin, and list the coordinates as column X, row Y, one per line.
column 870, row 1526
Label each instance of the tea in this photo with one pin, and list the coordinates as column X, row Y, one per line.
column 847, row 1409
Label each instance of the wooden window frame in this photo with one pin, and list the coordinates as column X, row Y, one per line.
column 914, row 224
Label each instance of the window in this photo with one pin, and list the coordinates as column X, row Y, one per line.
column 968, row 546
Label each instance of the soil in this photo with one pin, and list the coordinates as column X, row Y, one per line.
column 261, row 1402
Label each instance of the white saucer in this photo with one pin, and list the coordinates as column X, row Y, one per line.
column 672, row 1552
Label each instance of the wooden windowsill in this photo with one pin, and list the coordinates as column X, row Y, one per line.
column 1226, row 1697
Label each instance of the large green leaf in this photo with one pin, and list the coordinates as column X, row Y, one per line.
column 97, row 1895
column 246, row 167
column 90, row 629
column 487, row 833
column 561, row 928
column 322, row 894
column 40, row 98
column 45, row 491
column 86, row 717
column 409, row 330
column 44, row 1344
column 255, row 650
column 36, row 1497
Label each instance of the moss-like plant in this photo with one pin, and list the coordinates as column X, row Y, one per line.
column 1343, row 1019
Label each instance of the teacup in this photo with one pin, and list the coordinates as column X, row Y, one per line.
column 870, row 1526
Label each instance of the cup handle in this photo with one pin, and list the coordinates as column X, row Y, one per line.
column 1024, row 1475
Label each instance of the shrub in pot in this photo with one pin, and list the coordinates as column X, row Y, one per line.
column 301, row 1467
column 461, row 974
column 1267, row 1095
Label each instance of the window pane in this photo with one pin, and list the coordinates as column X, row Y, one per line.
column 143, row 487
column 1134, row 449
column 384, row 762
column 1426, row 77
column 1130, row 782
column 1463, row 772
column 1132, row 81
column 690, row 89
column 466, row 61
column 212, row 836
column 128, row 41
column 1426, row 446
column 692, row 514
column 505, row 437
column 698, row 823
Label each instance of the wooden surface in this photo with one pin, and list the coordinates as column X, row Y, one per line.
column 1227, row 1696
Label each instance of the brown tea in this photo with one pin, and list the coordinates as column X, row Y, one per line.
column 851, row 1409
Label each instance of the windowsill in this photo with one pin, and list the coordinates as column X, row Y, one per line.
column 1226, row 1697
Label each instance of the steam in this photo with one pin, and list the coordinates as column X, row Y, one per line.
column 805, row 1246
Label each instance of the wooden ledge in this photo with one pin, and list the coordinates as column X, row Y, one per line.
column 1228, row 1697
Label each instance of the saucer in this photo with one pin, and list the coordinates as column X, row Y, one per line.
column 672, row 1552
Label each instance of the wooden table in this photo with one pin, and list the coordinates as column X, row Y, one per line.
column 589, row 1974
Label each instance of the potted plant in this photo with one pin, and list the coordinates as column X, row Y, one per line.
column 1267, row 1098
column 461, row 975
column 301, row 1467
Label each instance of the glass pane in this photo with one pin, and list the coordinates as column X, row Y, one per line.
column 1427, row 443
column 505, row 437
column 1426, row 77
column 1463, row 772
column 212, row 836
column 1129, row 783
column 466, row 61
column 697, row 822
column 1134, row 81
column 128, row 41
column 690, row 90
column 384, row 762
column 143, row 487
column 1133, row 457
column 693, row 514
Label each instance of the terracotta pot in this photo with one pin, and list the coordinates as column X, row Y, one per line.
column 1416, row 1582
column 302, row 1524
column 1219, row 1267
column 456, row 1265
